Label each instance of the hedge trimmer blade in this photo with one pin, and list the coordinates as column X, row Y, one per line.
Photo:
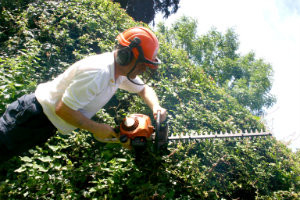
column 163, row 139
column 221, row 135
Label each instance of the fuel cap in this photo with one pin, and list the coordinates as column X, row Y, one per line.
column 130, row 124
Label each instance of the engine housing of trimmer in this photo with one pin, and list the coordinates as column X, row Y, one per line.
column 139, row 129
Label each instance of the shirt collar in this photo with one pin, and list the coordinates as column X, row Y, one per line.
column 112, row 71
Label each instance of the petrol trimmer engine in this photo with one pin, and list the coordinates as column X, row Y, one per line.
column 138, row 128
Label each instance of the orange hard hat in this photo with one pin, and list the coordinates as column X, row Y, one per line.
column 146, row 40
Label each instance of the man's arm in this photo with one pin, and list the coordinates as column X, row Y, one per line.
column 150, row 97
column 77, row 119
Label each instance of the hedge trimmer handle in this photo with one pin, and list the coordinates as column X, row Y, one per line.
column 161, row 132
column 157, row 130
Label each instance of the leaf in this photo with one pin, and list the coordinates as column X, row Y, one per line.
column 45, row 159
column 20, row 170
column 92, row 189
column 121, row 159
column 54, row 148
column 107, row 169
column 26, row 159
column 39, row 168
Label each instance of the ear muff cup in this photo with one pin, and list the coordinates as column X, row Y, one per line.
column 124, row 56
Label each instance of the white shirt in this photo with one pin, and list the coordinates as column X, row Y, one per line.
column 85, row 86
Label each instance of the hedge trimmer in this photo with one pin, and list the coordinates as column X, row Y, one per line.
column 139, row 130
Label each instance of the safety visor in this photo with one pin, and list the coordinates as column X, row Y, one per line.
column 149, row 74
column 152, row 64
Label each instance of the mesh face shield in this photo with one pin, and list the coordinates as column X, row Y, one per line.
column 146, row 76
column 151, row 68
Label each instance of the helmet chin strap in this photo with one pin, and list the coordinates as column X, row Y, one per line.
column 133, row 68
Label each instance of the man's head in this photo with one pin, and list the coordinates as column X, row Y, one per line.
column 138, row 47
column 140, row 43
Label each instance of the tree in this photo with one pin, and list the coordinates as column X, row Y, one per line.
column 246, row 78
column 145, row 10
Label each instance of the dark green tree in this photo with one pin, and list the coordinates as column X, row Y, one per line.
column 145, row 10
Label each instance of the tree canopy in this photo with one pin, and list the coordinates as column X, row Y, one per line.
column 146, row 10
column 41, row 40
column 246, row 78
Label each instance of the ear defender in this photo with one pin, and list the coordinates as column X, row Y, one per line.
column 125, row 55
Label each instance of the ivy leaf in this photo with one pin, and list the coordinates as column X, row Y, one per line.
column 45, row 159
column 20, row 169
column 54, row 148
column 39, row 168
column 121, row 159
column 26, row 159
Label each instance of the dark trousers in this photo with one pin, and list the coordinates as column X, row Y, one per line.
column 23, row 126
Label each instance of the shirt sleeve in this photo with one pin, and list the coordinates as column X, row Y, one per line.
column 131, row 87
column 83, row 89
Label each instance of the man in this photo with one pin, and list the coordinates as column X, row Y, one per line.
column 69, row 101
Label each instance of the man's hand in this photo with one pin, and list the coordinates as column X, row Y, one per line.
column 163, row 112
column 102, row 132
column 107, row 135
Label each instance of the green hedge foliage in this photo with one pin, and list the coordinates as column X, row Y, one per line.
column 40, row 39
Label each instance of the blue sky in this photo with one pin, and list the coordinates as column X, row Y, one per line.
column 270, row 28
